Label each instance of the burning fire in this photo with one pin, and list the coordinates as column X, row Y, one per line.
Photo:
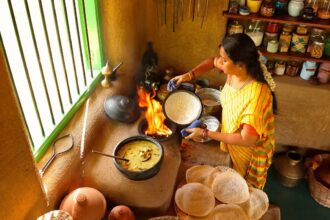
column 154, row 114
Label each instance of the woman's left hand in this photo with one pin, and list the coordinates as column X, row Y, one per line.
column 196, row 134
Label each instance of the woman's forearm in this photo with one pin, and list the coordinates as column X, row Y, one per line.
column 233, row 138
column 203, row 67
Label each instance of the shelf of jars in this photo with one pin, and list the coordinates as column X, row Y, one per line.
column 292, row 56
column 281, row 19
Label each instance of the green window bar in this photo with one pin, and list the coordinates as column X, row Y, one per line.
column 62, row 43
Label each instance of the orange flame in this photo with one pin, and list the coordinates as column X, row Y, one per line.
column 154, row 114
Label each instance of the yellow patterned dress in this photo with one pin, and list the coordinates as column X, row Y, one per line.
column 250, row 105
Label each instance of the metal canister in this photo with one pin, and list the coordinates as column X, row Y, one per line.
column 317, row 49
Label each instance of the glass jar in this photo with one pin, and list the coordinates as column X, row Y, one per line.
column 295, row 7
column 285, row 40
column 268, row 37
column 281, row 7
column 317, row 34
column 267, row 8
column 302, row 29
column 308, row 70
column 233, row 7
column 288, row 28
column 324, row 73
column 280, row 68
column 313, row 4
column 272, row 46
column 235, row 27
column 323, row 11
column 292, row 68
column 317, row 49
column 270, row 66
column 255, row 30
column 254, row 5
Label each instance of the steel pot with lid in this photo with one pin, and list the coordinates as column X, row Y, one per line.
column 121, row 108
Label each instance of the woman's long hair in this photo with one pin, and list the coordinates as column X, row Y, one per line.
column 240, row 48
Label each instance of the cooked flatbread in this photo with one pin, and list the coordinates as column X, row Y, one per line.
column 229, row 212
column 208, row 217
column 230, row 187
column 198, row 173
column 217, row 170
column 257, row 205
column 195, row 199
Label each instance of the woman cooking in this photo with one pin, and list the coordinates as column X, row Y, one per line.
column 248, row 104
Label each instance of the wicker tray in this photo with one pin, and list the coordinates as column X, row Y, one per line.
column 319, row 192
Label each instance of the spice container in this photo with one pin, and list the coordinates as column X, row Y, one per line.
column 317, row 34
column 324, row 10
column 285, row 40
column 235, row 27
column 256, row 31
column 268, row 37
column 292, row 68
column 272, row 46
column 272, row 27
column 233, row 7
column 281, row 7
column 254, row 5
column 317, row 49
column 271, row 66
column 324, row 73
column 267, row 8
column 295, row 7
column 314, row 4
column 280, row 68
column 308, row 70
column 307, row 13
column 299, row 40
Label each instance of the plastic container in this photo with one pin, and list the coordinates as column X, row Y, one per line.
column 308, row 70
column 295, row 7
column 254, row 5
column 256, row 31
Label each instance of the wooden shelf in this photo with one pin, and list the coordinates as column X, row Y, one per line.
column 286, row 19
column 282, row 19
column 293, row 56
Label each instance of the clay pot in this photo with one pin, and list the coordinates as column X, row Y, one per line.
column 290, row 168
column 84, row 204
column 322, row 172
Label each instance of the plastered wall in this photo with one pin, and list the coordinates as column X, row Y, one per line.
column 20, row 187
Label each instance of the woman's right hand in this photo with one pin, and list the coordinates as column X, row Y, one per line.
column 182, row 78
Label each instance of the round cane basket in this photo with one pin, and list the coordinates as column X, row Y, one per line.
column 319, row 192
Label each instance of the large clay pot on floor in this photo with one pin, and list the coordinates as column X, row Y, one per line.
column 290, row 168
column 84, row 204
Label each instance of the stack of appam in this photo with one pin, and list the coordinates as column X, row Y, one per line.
column 217, row 193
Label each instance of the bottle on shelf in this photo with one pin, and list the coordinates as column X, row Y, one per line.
column 235, row 27
column 292, row 68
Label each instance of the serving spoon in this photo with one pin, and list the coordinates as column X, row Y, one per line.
column 108, row 155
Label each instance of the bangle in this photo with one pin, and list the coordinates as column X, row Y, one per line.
column 205, row 134
column 191, row 75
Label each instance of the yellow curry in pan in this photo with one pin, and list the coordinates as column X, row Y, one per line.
column 142, row 155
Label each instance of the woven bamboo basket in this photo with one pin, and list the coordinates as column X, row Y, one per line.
column 319, row 192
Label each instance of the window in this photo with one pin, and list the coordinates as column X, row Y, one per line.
column 54, row 53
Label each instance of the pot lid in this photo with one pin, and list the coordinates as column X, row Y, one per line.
column 121, row 108
column 182, row 107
